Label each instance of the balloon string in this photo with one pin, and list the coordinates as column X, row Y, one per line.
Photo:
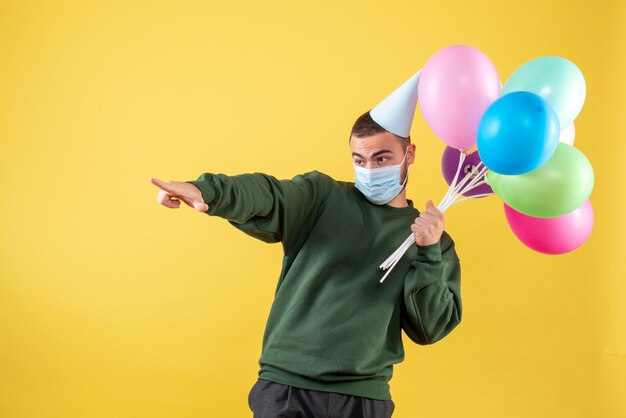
column 476, row 181
column 466, row 186
column 480, row 183
column 456, row 189
column 387, row 263
column 452, row 196
column 459, row 199
column 456, row 176
column 404, row 248
column 472, row 197
column 394, row 258
column 453, row 188
column 479, row 177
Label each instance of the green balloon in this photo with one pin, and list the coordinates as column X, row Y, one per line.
column 558, row 187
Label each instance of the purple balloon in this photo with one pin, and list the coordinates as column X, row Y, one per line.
column 450, row 163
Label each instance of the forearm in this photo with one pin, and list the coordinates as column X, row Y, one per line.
column 432, row 297
column 264, row 207
column 237, row 198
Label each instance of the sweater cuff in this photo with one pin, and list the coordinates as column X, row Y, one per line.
column 429, row 253
column 204, row 184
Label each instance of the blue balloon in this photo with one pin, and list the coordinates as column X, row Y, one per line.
column 518, row 133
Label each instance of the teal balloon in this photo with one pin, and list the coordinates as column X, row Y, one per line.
column 558, row 187
column 557, row 80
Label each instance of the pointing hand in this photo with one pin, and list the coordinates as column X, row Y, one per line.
column 173, row 192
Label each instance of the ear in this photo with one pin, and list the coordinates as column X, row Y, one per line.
column 410, row 157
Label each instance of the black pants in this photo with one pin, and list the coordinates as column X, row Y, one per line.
column 274, row 400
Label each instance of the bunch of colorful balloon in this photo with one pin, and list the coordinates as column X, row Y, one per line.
column 523, row 155
column 525, row 138
column 455, row 88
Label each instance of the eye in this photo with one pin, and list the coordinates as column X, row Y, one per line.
column 383, row 159
column 358, row 162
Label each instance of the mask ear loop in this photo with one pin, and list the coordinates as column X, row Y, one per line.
column 407, row 167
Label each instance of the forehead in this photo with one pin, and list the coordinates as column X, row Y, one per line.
column 375, row 143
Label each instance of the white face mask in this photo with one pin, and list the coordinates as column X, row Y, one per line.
column 380, row 185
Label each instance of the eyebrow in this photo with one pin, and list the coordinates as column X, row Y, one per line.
column 382, row 151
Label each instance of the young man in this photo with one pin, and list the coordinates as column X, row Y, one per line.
column 334, row 331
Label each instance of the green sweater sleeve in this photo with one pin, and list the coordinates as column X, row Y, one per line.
column 264, row 207
column 432, row 293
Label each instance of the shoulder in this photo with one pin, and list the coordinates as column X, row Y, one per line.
column 319, row 179
column 317, row 176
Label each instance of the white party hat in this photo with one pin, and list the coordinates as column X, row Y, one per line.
column 395, row 113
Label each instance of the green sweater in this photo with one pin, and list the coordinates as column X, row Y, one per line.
column 333, row 326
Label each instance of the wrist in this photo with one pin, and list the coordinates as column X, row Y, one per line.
column 430, row 252
column 426, row 243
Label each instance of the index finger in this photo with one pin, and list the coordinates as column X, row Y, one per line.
column 162, row 185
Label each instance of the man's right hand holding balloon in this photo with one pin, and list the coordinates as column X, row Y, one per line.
column 173, row 192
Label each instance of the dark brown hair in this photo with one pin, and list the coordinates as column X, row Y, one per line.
column 365, row 126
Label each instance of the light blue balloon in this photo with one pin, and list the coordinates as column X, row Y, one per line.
column 557, row 80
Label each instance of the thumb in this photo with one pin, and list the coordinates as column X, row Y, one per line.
column 201, row 207
column 429, row 204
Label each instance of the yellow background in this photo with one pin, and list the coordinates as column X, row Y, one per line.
column 112, row 305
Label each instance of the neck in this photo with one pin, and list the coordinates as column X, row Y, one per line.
column 400, row 200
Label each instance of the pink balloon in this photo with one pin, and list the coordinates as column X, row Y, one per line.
column 456, row 86
column 552, row 235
